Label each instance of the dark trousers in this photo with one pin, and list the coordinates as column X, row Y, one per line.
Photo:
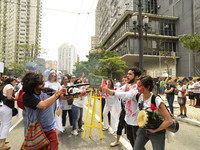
column 64, row 114
column 131, row 133
column 170, row 99
column 197, row 96
column 102, row 107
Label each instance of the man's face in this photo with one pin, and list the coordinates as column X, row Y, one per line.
column 41, row 84
column 4, row 77
column 130, row 76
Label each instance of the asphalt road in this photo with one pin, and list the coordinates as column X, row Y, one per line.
column 187, row 138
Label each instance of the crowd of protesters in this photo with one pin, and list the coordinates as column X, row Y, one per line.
column 119, row 105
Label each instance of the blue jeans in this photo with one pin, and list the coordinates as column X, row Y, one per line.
column 170, row 99
column 77, row 113
column 143, row 136
column 25, row 121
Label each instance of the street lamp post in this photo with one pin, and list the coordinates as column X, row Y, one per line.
column 140, row 28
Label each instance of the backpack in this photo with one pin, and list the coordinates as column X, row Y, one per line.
column 20, row 100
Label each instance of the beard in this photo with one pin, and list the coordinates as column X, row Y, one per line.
column 131, row 81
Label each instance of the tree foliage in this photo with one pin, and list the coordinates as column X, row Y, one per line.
column 102, row 63
column 190, row 42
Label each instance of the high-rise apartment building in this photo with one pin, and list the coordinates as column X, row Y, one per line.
column 20, row 24
column 93, row 43
column 66, row 58
column 167, row 19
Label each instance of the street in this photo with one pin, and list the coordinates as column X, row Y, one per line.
column 187, row 138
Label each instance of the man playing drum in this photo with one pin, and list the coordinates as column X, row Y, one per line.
column 128, row 93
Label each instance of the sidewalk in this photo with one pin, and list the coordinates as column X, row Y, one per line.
column 193, row 113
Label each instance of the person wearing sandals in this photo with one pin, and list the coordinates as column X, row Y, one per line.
column 181, row 89
column 35, row 102
column 6, row 110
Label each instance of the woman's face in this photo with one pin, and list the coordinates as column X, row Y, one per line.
column 65, row 80
column 79, row 82
column 53, row 77
column 109, row 84
column 13, row 83
column 140, row 87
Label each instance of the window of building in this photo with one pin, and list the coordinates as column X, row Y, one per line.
column 151, row 6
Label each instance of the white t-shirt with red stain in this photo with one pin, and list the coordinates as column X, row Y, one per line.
column 129, row 94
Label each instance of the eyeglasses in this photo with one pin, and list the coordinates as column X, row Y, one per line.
column 78, row 82
column 53, row 76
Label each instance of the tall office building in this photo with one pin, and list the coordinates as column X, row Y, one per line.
column 93, row 44
column 66, row 58
column 167, row 19
column 20, row 24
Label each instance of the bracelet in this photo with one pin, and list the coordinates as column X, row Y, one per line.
column 57, row 94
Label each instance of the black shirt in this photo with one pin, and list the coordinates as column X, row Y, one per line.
column 169, row 87
column 29, row 100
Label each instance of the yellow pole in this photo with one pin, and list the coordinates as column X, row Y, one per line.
column 93, row 116
column 87, row 113
column 100, row 118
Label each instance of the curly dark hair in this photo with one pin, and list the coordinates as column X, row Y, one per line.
column 31, row 80
column 7, row 81
column 147, row 82
column 136, row 71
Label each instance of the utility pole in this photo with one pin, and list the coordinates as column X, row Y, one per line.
column 140, row 35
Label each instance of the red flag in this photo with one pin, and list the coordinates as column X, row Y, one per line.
column 82, row 77
column 103, row 83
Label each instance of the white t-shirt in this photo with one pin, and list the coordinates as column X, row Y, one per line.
column 181, row 88
column 190, row 88
column 196, row 86
column 110, row 101
column 147, row 103
column 53, row 85
column 129, row 94
column 7, row 87
column 79, row 102
column 64, row 103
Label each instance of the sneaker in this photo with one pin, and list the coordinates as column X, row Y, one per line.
column 63, row 129
column 105, row 129
column 113, row 144
column 74, row 132
column 180, row 115
column 183, row 116
column 80, row 129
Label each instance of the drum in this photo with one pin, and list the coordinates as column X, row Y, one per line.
column 174, row 127
column 145, row 120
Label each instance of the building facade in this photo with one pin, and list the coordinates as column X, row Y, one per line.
column 66, row 58
column 93, row 44
column 20, row 29
column 51, row 64
column 167, row 20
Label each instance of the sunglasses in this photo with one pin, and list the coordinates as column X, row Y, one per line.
column 53, row 76
column 4, row 77
column 40, row 83
column 79, row 82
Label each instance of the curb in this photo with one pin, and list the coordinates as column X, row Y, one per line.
column 187, row 120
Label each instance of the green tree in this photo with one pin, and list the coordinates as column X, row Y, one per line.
column 111, row 66
column 102, row 63
column 190, row 42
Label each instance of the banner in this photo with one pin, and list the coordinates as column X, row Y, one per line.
column 1, row 67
